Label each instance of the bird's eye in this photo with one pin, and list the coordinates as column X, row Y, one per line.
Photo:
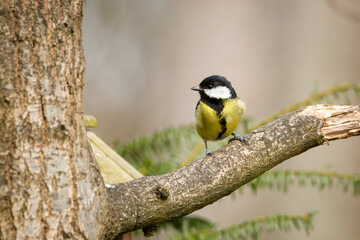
column 210, row 86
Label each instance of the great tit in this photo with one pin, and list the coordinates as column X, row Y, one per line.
column 219, row 110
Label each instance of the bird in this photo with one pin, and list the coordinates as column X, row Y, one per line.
column 219, row 110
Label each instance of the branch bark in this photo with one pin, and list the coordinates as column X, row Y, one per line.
column 150, row 201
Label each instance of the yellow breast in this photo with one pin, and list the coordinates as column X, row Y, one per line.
column 211, row 125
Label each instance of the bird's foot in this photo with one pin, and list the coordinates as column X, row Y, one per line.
column 239, row 138
column 208, row 152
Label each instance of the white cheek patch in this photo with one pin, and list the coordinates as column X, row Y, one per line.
column 218, row 92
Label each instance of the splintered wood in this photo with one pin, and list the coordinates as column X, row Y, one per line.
column 339, row 121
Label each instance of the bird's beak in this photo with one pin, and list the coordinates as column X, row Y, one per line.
column 196, row 88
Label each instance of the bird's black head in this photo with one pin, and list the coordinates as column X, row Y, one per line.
column 216, row 87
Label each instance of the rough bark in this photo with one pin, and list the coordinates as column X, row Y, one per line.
column 50, row 187
column 149, row 201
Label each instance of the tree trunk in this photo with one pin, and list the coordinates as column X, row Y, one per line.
column 50, row 186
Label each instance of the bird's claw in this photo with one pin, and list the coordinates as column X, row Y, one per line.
column 208, row 152
column 239, row 138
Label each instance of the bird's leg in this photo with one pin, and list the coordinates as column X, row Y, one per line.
column 240, row 138
column 207, row 151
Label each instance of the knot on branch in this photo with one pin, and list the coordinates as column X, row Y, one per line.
column 162, row 191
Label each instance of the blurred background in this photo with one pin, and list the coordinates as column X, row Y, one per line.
column 144, row 56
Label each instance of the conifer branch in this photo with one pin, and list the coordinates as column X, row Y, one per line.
column 337, row 90
column 151, row 154
column 150, row 201
column 253, row 228
column 282, row 179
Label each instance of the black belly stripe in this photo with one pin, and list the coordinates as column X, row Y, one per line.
column 223, row 127
column 218, row 106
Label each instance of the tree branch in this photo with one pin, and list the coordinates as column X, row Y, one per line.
column 150, row 201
